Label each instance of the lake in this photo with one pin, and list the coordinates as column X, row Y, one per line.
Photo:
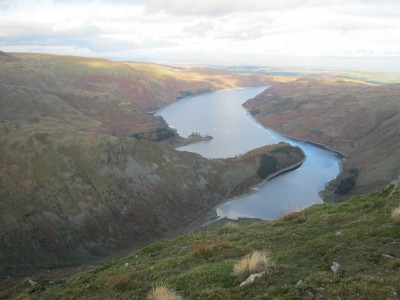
column 235, row 131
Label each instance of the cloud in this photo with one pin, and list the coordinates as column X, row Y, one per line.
column 202, row 30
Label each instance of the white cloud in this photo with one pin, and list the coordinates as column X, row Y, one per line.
column 202, row 31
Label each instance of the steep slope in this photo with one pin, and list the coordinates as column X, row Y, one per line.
column 360, row 235
column 75, row 185
column 67, row 197
column 116, row 95
column 362, row 121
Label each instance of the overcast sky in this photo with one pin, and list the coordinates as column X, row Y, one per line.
column 346, row 34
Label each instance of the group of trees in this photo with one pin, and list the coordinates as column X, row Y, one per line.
column 347, row 183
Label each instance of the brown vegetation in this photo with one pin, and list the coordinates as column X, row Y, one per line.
column 255, row 262
column 163, row 293
column 358, row 119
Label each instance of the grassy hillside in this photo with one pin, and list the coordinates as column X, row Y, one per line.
column 69, row 197
column 79, row 175
column 361, row 235
column 360, row 120
column 112, row 97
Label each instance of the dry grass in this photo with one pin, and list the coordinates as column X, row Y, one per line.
column 296, row 216
column 396, row 213
column 202, row 248
column 163, row 293
column 394, row 264
column 206, row 248
column 222, row 243
column 255, row 262
column 121, row 282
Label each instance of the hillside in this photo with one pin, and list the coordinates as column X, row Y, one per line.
column 81, row 175
column 360, row 120
column 370, row 77
column 101, row 95
column 68, row 197
column 362, row 236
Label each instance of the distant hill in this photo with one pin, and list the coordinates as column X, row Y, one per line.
column 102, row 95
column 360, row 120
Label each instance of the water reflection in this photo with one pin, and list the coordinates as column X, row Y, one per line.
column 222, row 116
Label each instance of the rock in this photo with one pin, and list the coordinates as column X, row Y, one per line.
column 336, row 267
column 250, row 280
column 388, row 256
column 126, row 265
column 299, row 283
column 309, row 294
column 32, row 282
column 338, row 233
column 320, row 289
column 393, row 183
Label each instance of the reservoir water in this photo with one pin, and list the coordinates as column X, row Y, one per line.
column 235, row 131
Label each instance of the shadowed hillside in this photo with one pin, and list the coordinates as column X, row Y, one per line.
column 70, row 197
column 360, row 120
column 75, row 183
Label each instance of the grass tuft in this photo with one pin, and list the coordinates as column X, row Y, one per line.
column 295, row 216
column 207, row 248
column 396, row 213
column 163, row 293
column 121, row 282
column 255, row 262
column 203, row 249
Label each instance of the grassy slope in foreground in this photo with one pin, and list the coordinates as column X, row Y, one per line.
column 360, row 235
column 360, row 120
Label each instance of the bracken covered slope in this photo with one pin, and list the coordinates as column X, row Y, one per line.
column 102, row 95
column 360, row 120
column 75, row 186
column 67, row 197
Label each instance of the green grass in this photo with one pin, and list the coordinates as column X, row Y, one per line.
column 357, row 234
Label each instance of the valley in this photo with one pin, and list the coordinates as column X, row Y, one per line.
column 87, row 171
column 83, row 170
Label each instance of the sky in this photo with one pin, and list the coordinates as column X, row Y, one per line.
column 330, row 34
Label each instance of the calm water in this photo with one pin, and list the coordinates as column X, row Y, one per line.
column 222, row 116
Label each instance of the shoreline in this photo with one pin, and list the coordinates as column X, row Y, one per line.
column 212, row 213
column 152, row 112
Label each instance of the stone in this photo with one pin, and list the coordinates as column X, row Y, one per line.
column 309, row 294
column 299, row 283
column 126, row 265
column 388, row 256
column 32, row 282
column 250, row 280
column 336, row 267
